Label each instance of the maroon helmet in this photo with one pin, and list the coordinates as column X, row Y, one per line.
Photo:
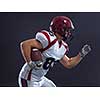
column 61, row 25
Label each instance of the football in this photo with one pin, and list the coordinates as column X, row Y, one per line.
column 36, row 55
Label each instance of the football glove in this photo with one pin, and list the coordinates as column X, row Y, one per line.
column 85, row 50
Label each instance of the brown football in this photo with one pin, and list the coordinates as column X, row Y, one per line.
column 36, row 55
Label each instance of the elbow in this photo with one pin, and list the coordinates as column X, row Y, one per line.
column 23, row 44
column 69, row 66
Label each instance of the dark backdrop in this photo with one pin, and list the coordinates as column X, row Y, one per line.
column 15, row 27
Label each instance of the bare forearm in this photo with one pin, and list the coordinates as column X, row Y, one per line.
column 73, row 61
column 70, row 62
column 26, row 51
column 26, row 47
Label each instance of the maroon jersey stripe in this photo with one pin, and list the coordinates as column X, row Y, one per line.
column 24, row 82
column 29, row 75
column 50, row 44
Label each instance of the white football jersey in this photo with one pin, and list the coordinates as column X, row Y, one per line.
column 55, row 51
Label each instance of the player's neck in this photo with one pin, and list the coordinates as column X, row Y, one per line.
column 58, row 37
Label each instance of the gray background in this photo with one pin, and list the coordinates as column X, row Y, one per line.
column 15, row 27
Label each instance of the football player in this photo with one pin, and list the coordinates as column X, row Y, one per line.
column 53, row 48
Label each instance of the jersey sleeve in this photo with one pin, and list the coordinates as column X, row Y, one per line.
column 42, row 39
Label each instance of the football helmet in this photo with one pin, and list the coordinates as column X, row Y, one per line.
column 62, row 25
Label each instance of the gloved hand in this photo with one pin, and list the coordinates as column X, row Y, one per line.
column 85, row 50
column 35, row 64
column 31, row 64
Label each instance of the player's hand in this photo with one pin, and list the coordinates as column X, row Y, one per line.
column 31, row 64
column 35, row 64
column 85, row 50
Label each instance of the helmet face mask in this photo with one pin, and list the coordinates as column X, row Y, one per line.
column 67, row 36
column 62, row 25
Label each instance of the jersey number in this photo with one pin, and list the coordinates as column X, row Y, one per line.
column 48, row 63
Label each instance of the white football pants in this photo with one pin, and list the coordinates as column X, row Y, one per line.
column 44, row 82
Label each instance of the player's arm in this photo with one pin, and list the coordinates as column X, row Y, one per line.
column 26, row 47
column 70, row 62
column 73, row 61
